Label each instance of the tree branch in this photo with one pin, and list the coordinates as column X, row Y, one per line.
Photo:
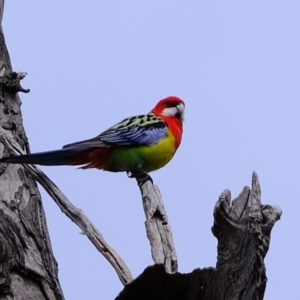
column 72, row 212
column 158, row 229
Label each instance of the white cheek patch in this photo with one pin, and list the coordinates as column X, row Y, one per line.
column 169, row 112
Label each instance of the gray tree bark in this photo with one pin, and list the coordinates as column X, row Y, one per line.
column 28, row 269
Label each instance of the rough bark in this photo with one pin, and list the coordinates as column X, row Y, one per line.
column 243, row 228
column 157, row 226
column 28, row 269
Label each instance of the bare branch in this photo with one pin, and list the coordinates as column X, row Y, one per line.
column 158, row 229
column 72, row 212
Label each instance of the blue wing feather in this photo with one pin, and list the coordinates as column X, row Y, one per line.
column 144, row 130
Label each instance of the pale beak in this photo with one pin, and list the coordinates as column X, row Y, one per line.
column 180, row 108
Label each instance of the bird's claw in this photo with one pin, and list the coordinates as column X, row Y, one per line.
column 140, row 176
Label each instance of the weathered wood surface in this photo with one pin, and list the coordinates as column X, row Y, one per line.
column 157, row 226
column 243, row 229
column 28, row 269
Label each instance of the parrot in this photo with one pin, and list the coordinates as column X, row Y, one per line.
column 137, row 145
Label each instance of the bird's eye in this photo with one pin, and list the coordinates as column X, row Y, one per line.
column 168, row 103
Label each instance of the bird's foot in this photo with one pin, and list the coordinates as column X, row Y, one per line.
column 140, row 176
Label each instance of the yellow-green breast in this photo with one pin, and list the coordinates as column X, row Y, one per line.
column 147, row 158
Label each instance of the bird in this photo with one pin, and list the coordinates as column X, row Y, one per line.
column 137, row 145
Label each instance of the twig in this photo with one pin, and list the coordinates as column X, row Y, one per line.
column 158, row 229
column 72, row 212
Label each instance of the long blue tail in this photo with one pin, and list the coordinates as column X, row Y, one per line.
column 50, row 158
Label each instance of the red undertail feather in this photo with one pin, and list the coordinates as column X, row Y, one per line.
column 96, row 158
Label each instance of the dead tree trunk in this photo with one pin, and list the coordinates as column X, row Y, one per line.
column 28, row 269
column 243, row 229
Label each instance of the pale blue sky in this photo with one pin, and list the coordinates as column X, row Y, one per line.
column 235, row 63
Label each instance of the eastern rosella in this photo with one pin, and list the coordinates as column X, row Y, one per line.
column 142, row 143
